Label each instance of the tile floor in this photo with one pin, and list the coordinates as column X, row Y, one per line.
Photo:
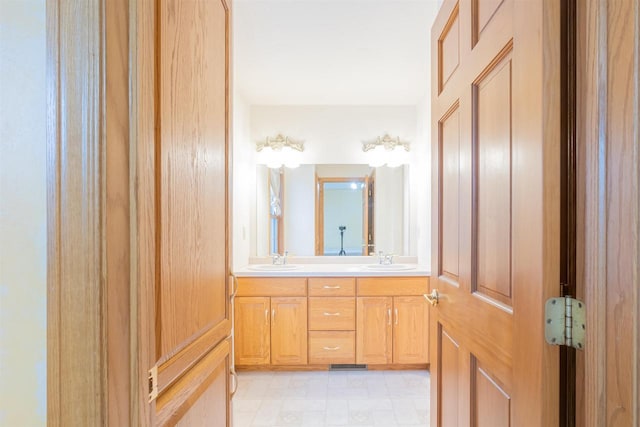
column 332, row 398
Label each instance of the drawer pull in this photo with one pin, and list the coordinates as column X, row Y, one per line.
column 331, row 348
column 331, row 287
column 389, row 316
column 331, row 314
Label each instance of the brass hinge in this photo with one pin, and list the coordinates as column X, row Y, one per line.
column 153, row 383
column 565, row 322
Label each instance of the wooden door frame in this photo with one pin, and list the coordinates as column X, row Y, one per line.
column 319, row 214
column 89, row 351
column 608, row 134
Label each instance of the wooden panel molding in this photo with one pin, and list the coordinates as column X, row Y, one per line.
column 449, row 49
column 289, row 331
column 490, row 402
column 449, row 378
column 184, row 393
column 482, row 12
column 449, row 140
column 193, row 102
column 492, row 120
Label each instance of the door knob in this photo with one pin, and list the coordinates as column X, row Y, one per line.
column 433, row 297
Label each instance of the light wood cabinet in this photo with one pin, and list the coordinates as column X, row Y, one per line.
column 371, row 320
column 410, row 330
column 252, row 330
column 392, row 321
column 289, row 331
column 374, row 330
column 270, row 321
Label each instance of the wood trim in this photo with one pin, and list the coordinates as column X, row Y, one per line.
column 272, row 368
column 78, row 317
column 608, row 84
column 176, row 366
column 320, row 209
column 182, row 395
column 143, row 204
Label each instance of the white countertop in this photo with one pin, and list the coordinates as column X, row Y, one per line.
column 298, row 269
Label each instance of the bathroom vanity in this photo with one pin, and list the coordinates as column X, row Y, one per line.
column 314, row 316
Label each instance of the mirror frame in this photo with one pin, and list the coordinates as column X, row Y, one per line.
column 367, row 213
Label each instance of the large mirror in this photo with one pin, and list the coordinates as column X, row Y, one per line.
column 332, row 210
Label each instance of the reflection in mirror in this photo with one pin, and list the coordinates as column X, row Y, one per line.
column 387, row 213
column 342, row 216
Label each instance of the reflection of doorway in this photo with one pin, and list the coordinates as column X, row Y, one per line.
column 342, row 202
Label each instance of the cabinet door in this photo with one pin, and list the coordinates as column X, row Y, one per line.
column 410, row 330
column 289, row 331
column 251, row 330
column 373, row 330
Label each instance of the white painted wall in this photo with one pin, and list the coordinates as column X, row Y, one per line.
column 333, row 134
column 244, row 184
column 23, row 239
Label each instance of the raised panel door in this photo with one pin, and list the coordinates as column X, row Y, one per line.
column 374, row 330
column 289, row 331
column 495, row 211
column 252, row 330
column 410, row 330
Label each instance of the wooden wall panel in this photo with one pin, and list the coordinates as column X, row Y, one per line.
column 492, row 123
column 193, row 175
column 449, row 377
column 449, row 49
column 490, row 402
column 449, row 128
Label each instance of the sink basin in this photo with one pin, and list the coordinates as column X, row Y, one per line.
column 274, row 267
column 388, row 267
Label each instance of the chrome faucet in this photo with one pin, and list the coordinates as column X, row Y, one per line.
column 385, row 259
column 278, row 259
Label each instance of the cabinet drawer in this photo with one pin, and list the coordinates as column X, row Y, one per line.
column 332, row 347
column 272, row 287
column 332, row 313
column 392, row 286
column 332, row 286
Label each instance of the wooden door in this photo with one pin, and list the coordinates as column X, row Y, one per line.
column 182, row 102
column 289, row 331
column 374, row 330
column 410, row 330
column 252, row 330
column 495, row 217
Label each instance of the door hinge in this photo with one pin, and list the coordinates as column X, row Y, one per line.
column 565, row 322
column 153, row 383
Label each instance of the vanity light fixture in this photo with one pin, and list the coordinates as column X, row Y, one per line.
column 278, row 151
column 386, row 150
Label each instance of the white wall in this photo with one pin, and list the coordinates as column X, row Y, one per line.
column 22, row 213
column 244, row 184
column 390, row 207
column 333, row 134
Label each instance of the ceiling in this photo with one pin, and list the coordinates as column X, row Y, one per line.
column 332, row 52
